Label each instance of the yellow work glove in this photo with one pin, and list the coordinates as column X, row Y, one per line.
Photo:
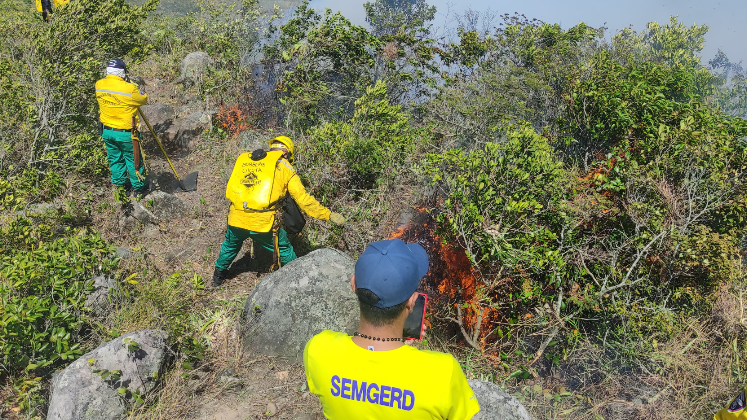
column 337, row 218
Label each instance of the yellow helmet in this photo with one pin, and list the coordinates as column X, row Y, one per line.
column 284, row 141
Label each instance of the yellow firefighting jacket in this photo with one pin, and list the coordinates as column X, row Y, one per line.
column 737, row 410
column 57, row 3
column 247, row 175
column 118, row 101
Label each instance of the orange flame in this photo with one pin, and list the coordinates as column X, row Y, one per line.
column 451, row 279
column 233, row 119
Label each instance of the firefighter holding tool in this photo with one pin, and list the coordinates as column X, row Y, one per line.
column 119, row 101
column 257, row 188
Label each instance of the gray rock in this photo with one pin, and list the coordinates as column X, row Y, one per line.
column 151, row 231
column 194, row 66
column 127, row 223
column 190, row 129
column 122, row 253
column 495, row 403
column 99, row 300
column 250, row 141
column 166, row 206
column 78, row 393
column 301, row 299
column 41, row 208
column 160, row 116
column 191, row 107
column 142, row 214
column 36, row 212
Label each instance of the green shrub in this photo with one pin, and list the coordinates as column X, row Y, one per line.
column 367, row 149
column 504, row 202
column 43, row 289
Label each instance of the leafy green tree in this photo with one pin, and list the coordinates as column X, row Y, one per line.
column 368, row 148
column 388, row 17
column 328, row 62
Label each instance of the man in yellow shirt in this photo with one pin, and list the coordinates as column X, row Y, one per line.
column 258, row 183
column 737, row 410
column 374, row 375
column 119, row 102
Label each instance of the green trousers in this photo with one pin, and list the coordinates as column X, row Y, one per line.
column 235, row 239
column 121, row 159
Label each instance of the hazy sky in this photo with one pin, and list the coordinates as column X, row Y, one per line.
column 726, row 18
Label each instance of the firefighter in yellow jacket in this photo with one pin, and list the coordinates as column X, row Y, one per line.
column 119, row 102
column 45, row 6
column 258, row 183
column 737, row 410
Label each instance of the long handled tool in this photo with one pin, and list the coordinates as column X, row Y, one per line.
column 189, row 182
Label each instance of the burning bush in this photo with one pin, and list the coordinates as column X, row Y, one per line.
column 552, row 246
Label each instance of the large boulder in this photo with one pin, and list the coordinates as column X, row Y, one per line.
column 160, row 117
column 495, row 403
column 301, row 299
column 98, row 384
column 165, row 205
column 194, row 66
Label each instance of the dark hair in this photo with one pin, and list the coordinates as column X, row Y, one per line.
column 374, row 315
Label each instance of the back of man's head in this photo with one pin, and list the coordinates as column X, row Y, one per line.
column 386, row 275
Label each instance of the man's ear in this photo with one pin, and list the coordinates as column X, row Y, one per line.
column 352, row 283
column 411, row 302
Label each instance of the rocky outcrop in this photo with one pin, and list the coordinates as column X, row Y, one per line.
column 495, row 403
column 166, row 206
column 194, row 66
column 160, row 117
column 190, row 128
column 292, row 304
column 99, row 300
column 99, row 384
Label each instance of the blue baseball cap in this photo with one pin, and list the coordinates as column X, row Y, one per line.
column 392, row 270
column 117, row 63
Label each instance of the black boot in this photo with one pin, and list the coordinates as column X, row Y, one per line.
column 218, row 277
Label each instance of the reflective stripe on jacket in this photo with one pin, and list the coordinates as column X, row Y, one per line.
column 118, row 101
column 286, row 181
column 57, row 3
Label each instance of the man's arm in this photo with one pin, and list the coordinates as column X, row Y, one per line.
column 139, row 97
column 304, row 200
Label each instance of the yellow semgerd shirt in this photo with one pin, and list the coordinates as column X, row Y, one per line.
column 285, row 181
column 118, row 101
column 737, row 410
column 405, row 383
